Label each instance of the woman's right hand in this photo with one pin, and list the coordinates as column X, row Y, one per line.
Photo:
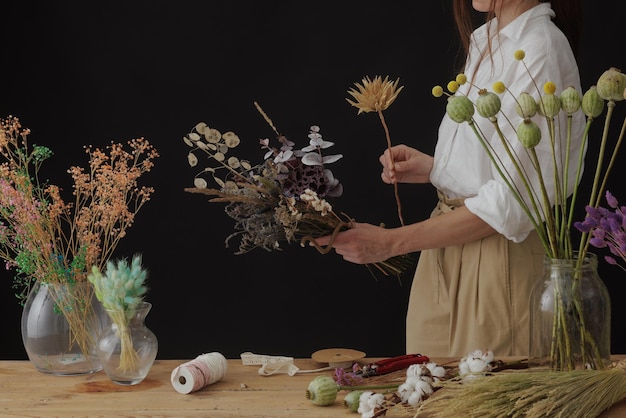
column 409, row 165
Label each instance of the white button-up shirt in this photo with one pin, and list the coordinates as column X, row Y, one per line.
column 462, row 167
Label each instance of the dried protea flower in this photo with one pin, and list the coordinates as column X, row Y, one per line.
column 528, row 133
column 611, row 85
column 460, row 108
column 526, row 105
column 488, row 104
column 592, row 104
column 570, row 100
column 374, row 95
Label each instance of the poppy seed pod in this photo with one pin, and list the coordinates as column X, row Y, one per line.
column 570, row 100
column 526, row 105
column 528, row 133
column 592, row 104
column 322, row 390
column 611, row 85
column 460, row 109
column 549, row 105
column 488, row 104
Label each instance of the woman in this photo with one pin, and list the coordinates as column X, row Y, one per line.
column 480, row 255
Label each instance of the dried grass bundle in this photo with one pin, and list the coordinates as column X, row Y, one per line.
column 529, row 394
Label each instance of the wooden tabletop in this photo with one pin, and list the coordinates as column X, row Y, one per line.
column 241, row 393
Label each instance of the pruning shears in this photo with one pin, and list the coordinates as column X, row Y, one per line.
column 392, row 364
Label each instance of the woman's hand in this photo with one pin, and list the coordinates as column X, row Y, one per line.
column 362, row 244
column 409, row 165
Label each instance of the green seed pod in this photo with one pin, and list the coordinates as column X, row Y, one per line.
column 488, row 104
column 526, row 105
column 592, row 104
column 549, row 105
column 460, row 109
column 352, row 400
column 528, row 133
column 611, row 85
column 570, row 100
column 322, row 390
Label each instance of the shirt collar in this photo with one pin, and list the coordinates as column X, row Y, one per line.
column 515, row 29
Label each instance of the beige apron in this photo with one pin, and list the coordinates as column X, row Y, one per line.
column 473, row 296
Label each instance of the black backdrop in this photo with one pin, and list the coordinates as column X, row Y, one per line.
column 80, row 73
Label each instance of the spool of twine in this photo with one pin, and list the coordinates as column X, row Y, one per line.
column 198, row 373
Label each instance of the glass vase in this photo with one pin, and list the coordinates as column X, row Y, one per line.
column 127, row 348
column 570, row 317
column 61, row 324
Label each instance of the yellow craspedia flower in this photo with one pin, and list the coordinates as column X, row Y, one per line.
column 461, row 79
column 519, row 54
column 437, row 91
column 499, row 87
column 549, row 87
column 453, row 86
column 374, row 95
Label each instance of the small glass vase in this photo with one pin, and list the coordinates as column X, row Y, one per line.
column 61, row 324
column 570, row 317
column 127, row 348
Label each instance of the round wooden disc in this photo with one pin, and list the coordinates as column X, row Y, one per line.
column 337, row 355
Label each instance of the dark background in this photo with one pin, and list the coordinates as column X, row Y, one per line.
column 79, row 73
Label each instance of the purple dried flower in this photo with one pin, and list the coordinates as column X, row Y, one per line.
column 607, row 229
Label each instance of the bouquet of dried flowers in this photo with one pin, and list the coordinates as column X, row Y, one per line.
column 552, row 220
column 283, row 199
column 47, row 240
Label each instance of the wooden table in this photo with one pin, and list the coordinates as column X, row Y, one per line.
column 241, row 393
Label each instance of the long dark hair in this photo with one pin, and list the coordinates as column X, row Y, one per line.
column 568, row 18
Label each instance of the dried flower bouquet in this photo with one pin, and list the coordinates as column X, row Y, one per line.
column 282, row 199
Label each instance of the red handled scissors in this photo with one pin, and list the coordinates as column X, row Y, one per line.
column 392, row 364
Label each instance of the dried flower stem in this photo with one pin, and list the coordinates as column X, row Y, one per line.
column 128, row 355
column 395, row 185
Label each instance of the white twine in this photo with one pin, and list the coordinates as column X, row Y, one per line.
column 202, row 371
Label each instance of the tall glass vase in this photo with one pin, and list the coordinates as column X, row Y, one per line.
column 128, row 348
column 61, row 324
column 570, row 317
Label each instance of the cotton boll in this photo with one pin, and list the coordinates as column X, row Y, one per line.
column 436, row 371
column 488, row 356
column 425, row 388
column 477, row 365
column 417, row 370
column 414, row 399
column 369, row 401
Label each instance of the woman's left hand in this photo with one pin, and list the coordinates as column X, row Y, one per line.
column 362, row 244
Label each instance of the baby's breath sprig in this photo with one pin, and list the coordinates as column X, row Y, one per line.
column 120, row 290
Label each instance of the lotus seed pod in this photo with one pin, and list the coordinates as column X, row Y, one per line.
column 611, row 85
column 570, row 100
column 352, row 400
column 526, row 105
column 528, row 133
column 488, row 104
column 460, row 109
column 592, row 104
column 549, row 105
column 322, row 390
